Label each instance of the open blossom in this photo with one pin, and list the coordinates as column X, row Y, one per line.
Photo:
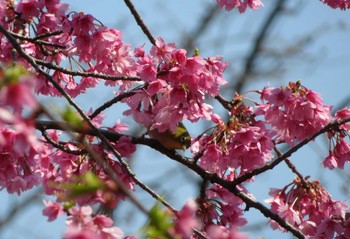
column 240, row 145
column 339, row 155
column 220, row 232
column 52, row 210
column 68, row 168
column 186, row 220
column 82, row 224
column 240, row 4
column 16, row 89
column 295, row 112
column 95, row 45
column 221, row 207
column 19, row 164
column 339, row 152
column 342, row 4
column 179, row 92
column 309, row 208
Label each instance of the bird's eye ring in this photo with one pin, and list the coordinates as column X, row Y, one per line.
column 182, row 139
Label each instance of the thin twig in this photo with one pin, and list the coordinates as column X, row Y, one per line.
column 292, row 167
column 105, row 166
column 60, row 146
column 85, row 74
column 35, row 40
column 113, row 137
column 329, row 127
column 213, row 178
column 110, row 103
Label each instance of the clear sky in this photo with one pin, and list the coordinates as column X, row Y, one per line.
column 322, row 66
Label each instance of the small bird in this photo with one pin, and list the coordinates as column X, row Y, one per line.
column 180, row 139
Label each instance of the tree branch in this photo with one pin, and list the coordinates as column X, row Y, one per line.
column 85, row 74
column 329, row 127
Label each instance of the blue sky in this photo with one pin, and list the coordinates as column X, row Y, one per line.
column 323, row 66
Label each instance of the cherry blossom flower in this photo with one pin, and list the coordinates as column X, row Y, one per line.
column 342, row 4
column 295, row 112
column 186, row 220
column 221, row 232
column 81, row 224
column 309, row 208
column 240, row 4
column 52, row 210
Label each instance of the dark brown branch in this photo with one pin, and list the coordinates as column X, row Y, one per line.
column 225, row 103
column 101, row 162
column 85, row 74
column 48, row 34
column 292, row 167
column 229, row 185
column 35, row 40
column 140, row 21
column 113, row 137
column 287, row 154
column 60, row 146
column 213, row 178
column 110, row 103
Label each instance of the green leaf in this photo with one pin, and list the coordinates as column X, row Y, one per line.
column 12, row 74
column 68, row 205
column 159, row 223
column 87, row 183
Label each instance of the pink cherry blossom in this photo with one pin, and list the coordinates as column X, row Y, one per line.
column 221, row 232
column 19, row 94
column 295, row 112
column 81, row 224
column 179, row 92
column 342, row 4
column 222, row 208
column 162, row 51
column 241, row 145
column 240, row 4
column 52, row 210
column 29, row 9
column 20, row 169
column 309, row 208
column 186, row 220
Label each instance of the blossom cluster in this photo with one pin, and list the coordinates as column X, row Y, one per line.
column 239, row 145
column 308, row 207
column 221, row 207
column 172, row 86
column 82, row 224
column 295, row 112
column 342, row 4
column 175, row 87
column 339, row 152
column 76, row 36
column 242, row 5
column 19, row 147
